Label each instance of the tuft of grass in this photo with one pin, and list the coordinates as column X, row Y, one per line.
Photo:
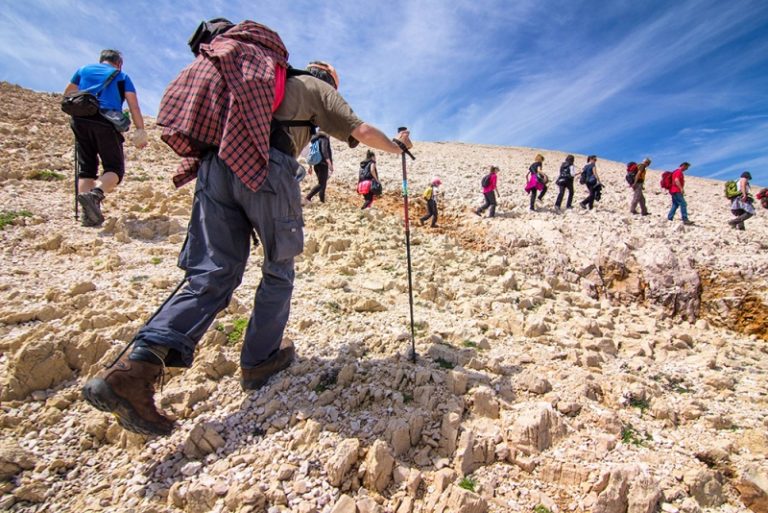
column 641, row 404
column 141, row 178
column 631, row 436
column 469, row 343
column 238, row 328
column 541, row 508
column 155, row 260
column 327, row 380
column 407, row 397
column 7, row 217
column 333, row 306
column 46, row 175
column 444, row 364
column 468, row 483
column 420, row 328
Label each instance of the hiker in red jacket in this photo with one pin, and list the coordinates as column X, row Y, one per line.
column 241, row 145
column 678, row 195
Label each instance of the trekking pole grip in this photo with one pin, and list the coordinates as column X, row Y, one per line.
column 402, row 146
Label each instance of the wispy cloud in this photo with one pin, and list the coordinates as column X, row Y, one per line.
column 619, row 79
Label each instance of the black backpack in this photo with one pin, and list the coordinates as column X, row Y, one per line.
column 365, row 171
column 486, row 181
column 586, row 174
column 206, row 31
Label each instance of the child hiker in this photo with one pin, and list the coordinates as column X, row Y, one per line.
column 430, row 194
column 488, row 184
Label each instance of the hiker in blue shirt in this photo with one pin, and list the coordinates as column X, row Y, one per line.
column 97, row 138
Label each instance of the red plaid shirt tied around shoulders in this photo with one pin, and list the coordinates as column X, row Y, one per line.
column 225, row 99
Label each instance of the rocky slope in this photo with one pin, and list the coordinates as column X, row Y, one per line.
column 583, row 361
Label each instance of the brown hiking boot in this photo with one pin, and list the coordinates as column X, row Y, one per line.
column 256, row 377
column 126, row 389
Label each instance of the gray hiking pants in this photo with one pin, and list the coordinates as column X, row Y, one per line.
column 741, row 216
column 638, row 198
column 224, row 213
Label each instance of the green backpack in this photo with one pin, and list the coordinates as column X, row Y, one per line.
column 731, row 189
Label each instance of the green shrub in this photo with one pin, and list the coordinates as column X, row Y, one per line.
column 7, row 217
column 641, row 404
column 46, row 175
column 238, row 328
column 468, row 483
column 631, row 436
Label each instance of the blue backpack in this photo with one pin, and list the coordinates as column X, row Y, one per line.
column 315, row 155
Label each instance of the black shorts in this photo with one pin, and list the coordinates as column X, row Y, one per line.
column 96, row 138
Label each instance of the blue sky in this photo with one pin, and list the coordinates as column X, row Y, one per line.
column 682, row 80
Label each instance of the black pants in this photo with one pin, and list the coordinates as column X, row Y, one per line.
column 321, row 170
column 589, row 201
column 431, row 212
column 368, row 200
column 566, row 186
column 533, row 196
column 490, row 201
column 96, row 138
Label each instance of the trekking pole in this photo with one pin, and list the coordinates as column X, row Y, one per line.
column 408, row 247
column 77, row 185
column 129, row 344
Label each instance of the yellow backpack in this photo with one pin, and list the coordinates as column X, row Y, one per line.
column 427, row 193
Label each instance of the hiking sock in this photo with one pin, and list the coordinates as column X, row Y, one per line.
column 150, row 353
column 98, row 192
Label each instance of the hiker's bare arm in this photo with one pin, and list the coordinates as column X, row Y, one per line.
column 375, row 138
column 133, row 106
column 743, row 184
column 71, row 88
column 374, row 172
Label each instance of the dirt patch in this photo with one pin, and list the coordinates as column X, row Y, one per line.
column 455, row 225
column 727, row 301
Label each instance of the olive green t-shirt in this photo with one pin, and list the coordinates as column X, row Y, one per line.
column 309, row 98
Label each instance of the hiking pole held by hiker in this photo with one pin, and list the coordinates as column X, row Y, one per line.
column 402, row 140
column 77, row 181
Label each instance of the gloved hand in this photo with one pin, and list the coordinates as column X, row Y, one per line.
column 140, row 138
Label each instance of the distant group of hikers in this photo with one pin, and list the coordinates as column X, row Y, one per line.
column 239, row 134
column 737, row 191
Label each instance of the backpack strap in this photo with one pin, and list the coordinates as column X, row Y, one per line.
column 278, row 136
column 108, row 81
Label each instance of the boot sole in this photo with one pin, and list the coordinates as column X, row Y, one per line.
column 100, row 395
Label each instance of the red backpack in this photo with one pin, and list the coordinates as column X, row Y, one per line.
column 666, row 180
column 631, row 172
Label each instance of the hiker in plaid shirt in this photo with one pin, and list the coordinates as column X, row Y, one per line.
column 221, row 122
